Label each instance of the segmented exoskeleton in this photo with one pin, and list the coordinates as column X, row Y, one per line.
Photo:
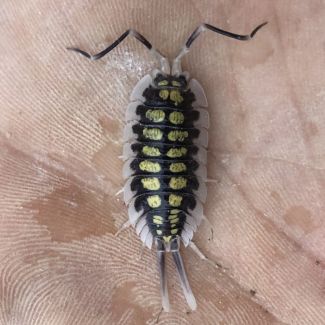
column 165, row 155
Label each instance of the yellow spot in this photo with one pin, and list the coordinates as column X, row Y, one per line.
column 177, row 183
column 176, row 118
column 154, row 201
column 149, row 166
column 167, row 238
column 152, row 133
column 159, row 232
column 151, row 151
column 176, row 83
column 157, row 222
column 173, row 225
column 174, row 231
column 163, row 83
column 176, row 152
column 172, row 216
column 175, row 211
column 177, row 135
column 164, row 93
column 155, row 115
column 177, row 167
column 174, row 220
column 175, row 200
column 151, row 183
column 158, row 217
column 176, row 97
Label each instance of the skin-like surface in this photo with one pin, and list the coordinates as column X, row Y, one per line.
column 60, row 135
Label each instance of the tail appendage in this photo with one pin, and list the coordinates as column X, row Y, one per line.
column 173, row 247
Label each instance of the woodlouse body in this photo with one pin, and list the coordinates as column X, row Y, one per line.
column 165, row 155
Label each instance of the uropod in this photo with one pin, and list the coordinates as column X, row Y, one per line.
column 165, row 155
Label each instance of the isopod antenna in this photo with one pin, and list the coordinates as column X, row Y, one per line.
column 177, row 69
column 164, row 64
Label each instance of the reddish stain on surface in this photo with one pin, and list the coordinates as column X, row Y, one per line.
column 109, row 125
column 73, row 213
column 311, row 129
column 300, row 217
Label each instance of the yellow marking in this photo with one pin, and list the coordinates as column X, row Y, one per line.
column 175, row 200
column 174, row 231
column 177, row 167
column 152, row 133
column 154, row 201
column 176, row 96
column 167, row 238
column 158, row 217
column 173, row 211
column 177, row 135
column 164, row 93
column 159, row 232
column 177, row 183
column 176, row 118
column 150, row 183
column 149, row 166
column 174, row 220
column 155, row 115
column 151, row 151
column 163, row 83
column 157, row 222
column 176, row 152
column 172, row 216
column 176, row 83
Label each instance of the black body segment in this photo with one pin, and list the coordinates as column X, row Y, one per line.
column 167, row 116
column 168, row 97
column 167, row 151
column 164, row 178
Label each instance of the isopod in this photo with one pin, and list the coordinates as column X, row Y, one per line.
column 165, row 155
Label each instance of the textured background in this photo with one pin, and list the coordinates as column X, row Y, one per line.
column 61, row 121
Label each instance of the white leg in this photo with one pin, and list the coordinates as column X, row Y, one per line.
column 202, row 256
column 125, row 225
column 197, row 251
column 119, row 192
column 209, row 223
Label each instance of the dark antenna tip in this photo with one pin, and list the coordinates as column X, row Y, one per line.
column 257, row 29
column 74, row 49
